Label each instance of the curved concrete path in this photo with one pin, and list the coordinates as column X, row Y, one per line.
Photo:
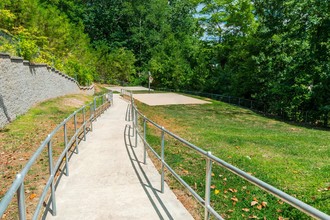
column 108, row 181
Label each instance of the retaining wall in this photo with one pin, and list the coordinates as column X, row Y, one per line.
column 23, row 84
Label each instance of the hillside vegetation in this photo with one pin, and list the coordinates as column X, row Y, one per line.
column 275, row 52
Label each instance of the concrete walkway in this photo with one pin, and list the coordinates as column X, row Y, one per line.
column 107, row 181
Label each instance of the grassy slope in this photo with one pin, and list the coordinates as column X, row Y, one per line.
column 294, row 159
column 21, row 138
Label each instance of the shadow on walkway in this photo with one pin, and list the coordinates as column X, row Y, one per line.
column 143, row 178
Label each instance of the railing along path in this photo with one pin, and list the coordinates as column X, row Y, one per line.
column 96, row 108
column 133, row 114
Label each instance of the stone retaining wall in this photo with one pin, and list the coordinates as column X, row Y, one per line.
column 23, row 84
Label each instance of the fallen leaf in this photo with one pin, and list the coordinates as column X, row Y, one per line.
column 280, row 202
column 230, row 210
column 232, row 190
column 212, row 186
column 32, row 196
column 234, row 199
column 212, row 174
column 264, row 204
column 259, row 207
column 216, row 191
column 253, row 203
column 253, row 217
column 245, row 209
column 225, row 179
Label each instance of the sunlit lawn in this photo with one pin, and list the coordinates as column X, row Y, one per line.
column 292, row 158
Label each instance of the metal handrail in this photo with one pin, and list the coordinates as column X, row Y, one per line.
column 307, row 209
column 99, row 104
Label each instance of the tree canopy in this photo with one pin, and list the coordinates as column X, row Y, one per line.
column 274, row 51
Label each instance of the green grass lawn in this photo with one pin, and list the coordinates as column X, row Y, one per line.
column 292, row 158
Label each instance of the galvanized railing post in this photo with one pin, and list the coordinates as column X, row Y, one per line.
column 207, row 186
column 84, row 122
column 162, row 158
column 66, row 151
column 145, row 140
column 21, row 199
column 75, row 130
column 91, row 117
column 136, row 127
column 132, row 105
column 95, row 109
column 51, row 172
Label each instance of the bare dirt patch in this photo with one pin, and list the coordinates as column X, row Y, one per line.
column 74, row 102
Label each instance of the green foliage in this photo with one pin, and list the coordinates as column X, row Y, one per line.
column 121, row 66
column 269, row 51
column 286, row 61
column 42, row 33
column 274, row 51
column 115, row 66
